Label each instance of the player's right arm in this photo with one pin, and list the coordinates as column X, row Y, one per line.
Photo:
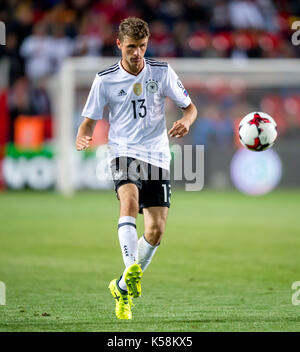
column 85, row 133
column 92, row 111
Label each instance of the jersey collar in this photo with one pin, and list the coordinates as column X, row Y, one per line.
column 129, row 73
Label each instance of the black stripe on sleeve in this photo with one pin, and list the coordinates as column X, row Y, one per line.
column 107, row 72
column 156, row 65
column 155, row 62
column 109, row 69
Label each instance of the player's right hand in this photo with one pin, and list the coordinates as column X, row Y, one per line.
column 83, row 142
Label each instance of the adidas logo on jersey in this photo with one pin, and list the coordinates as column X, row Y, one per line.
column 121, row 93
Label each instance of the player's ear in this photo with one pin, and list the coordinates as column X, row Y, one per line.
column 119, row 44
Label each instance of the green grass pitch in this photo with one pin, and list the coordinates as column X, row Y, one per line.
column 226, row 263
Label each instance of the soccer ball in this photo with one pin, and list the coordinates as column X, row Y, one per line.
column 257, row 131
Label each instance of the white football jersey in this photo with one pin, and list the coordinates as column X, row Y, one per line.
column 136, row 106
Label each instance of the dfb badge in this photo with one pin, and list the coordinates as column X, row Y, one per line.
column 152, row 86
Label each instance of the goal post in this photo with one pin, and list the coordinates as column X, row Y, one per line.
column 80, row 72
column 74, row 72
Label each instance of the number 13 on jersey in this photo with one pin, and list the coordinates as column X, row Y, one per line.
column 140, row 106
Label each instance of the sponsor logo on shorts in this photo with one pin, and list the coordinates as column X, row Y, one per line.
column 117, row 175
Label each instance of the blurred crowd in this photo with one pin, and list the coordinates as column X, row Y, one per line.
column 42, row 33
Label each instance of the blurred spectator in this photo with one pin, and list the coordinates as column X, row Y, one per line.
column 61, row 46
column 198, row 12
column 245, row 45
column 220, row 17
column 150, row 9
column 27, row 99
column 18, row 101
column 87, row 43
column 114, row 11
column 37, row 51
column 108, row 36
column 196, row 44
column 171, row 12
column 269, row 12
column 161, row 42
column 22, row 18
column 180, row 35
column 245, row 14
column 11, row 52
column 39, row 99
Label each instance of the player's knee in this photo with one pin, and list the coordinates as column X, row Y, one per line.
column 154, row 233
column 129, row 207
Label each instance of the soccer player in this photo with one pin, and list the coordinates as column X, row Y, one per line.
column 134, row 90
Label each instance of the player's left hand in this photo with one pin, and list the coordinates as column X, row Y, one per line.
column 180, row 128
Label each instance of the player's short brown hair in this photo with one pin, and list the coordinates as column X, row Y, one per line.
column 134, row 28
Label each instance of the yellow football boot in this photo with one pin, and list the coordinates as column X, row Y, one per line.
column 133, row 276
column 123, row 301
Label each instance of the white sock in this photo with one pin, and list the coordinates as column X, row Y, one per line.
column 145, row 252
column 129, row 244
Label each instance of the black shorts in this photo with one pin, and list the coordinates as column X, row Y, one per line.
column 152, row 182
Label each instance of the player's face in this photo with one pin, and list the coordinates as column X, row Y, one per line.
column 133, row 52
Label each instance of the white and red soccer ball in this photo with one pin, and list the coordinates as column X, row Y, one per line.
column 257, row 131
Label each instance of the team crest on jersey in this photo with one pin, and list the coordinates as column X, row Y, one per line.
column 137, row 88
column 152, row 86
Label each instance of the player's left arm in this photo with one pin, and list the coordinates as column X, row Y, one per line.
column 181, row 127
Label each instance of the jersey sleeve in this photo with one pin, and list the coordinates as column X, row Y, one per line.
column 175, row 90
column 96, row 101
